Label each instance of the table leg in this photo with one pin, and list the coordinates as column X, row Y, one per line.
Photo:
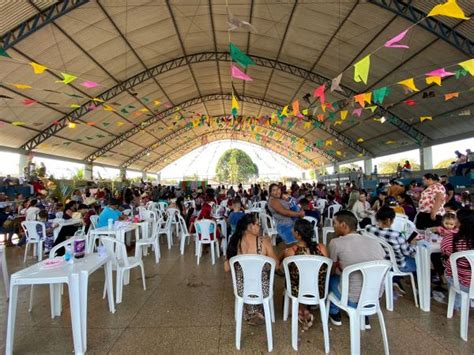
column 83, row 287
column 11, row 319
column 6, row 281
column 75, row 303
column 110, row 286
column 420, row 276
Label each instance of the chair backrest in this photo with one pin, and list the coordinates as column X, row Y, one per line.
column 127, row 212
column 314, row 222
column 162, row 205
column 67, row 242
column 267, row 222
column 252, row 266
column 309, row 267
column 373, row 277
column 142, row 211
column 183, row 227
column 262, row 204
column 399, row 223
column 453, row 260
column 150, row 215
column 116, row 249
column 322, row 204
column 31, row 230
column 333, row 209
column 173, row 214
column 224, row 203
column 204, row 228
column 94, row 220
column 386, row 246
column 59, row 215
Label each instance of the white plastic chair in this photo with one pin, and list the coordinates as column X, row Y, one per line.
column 3, row 262
column 32, row 237
column 262, row 205
column 173, row 213
column 164, row 227
column 162, row 206
column 252, row 267
column 184, row 233
column 399, row 223
column 149, row 241
column 314, row 222
column 395, row 271
column 127, row 212
column 123, row 263
column 59, row 215
column 204, row 237
column 268, row 225
column 94, row 220
column 142, row 212
column 309, row 267
column 456, row 288
column 373, row 277
column 332, row 210
column 321, row 205
column 326, row 231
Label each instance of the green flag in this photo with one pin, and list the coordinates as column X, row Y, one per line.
column 4, row 53
column 239, row 57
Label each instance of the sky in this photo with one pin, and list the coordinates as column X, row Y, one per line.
column 204, row 159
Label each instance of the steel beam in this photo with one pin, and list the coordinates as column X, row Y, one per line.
column 39, row 20
column 212, row 134
column 436, row 27
column 214, row 97
column 183, row 130
column 197, row 58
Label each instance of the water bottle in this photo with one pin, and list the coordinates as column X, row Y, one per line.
column 68, row 257
column 110, row 223
column 79, row 246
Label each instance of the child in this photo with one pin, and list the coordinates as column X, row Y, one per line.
column 48, row 239
column 235, row 215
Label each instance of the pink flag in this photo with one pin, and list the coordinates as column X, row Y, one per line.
column 29, row 102
column 393, row 43
column 89, row 84
column 440, row 72
column 239, row 74
column 319, row 92
column 357, row 112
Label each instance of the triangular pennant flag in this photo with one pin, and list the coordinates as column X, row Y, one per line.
column 89, row 84
column 72, row 125
column 296, row 108
column 29, row 102
column 371, row 108
column 320, row 117
column 120, row 123
column 305, row 112
column 433, row 80
column 361, row 70
column 319, row 92
column 460, row 72
column 74, row 106
column 450, row 9
column 239, row 74
column 105, row 124
column 450, row 96
column 143, row 109
column 410, row 102
column 22, row 86
column 18, row 123
column 67, row 78
column 238, row 56
column 360, row 140
column 468, row 66
column 235, row 106
column 344, row 115
column 379, row 94
column 393, row 43
column 3, row 53
column 360, row 99
column 426, row 118
column 368, row 97
column 338, row 123
column 108, row 108
column 440, row 72
column 336, row 83
column 307, row 125
column 234, row 23
column 156, row 103
column 409, row 84
column 284, row 112
column 357, row 112
column 328, row 142
column 38, row 68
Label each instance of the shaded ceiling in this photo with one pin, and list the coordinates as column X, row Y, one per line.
column 162, row 65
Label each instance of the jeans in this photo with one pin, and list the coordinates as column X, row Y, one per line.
column 284, row 231
column 457, row 299
column 334, row 282
column 410, row 265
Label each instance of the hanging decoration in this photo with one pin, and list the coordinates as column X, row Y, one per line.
column 67, row 78
column 38, row 68
column 361, row 70
column 239, row 57
column 239, row 74
column 393, row 43
column 450, row 9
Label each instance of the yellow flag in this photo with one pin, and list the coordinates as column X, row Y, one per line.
column 344, row 115
column 67, row 78
column 337, row 123
column 144, row 109
column 305, row 111
column 361, row 70
column 72, row 125
column 38, row 68
column 360, row 140
column 468, row 66
column 368, row 97
column 74, row 106
column 450, row 8
column 409, row 84
column 307, row 125
column 156, row 103
column 96, row 99
column 328, row 142
column 108, row 108
column 433, row 79
column 22, row 86
column 120, row 123
column 18, row 123
column 426, row 118
column 284, row 112
column 338, row 153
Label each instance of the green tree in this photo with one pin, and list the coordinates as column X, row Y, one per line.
column 389, row 167
column 348, row 168
column 235, row 166
column 443, row 164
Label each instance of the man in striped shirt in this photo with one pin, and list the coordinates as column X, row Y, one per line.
column 404, row 252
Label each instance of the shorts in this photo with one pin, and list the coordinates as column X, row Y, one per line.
column 285, row 233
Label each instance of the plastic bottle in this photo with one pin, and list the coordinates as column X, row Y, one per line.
column 68, row 257
column 110, row 223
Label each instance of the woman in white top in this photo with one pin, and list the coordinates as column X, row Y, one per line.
column 361, row 209
column 32, row 211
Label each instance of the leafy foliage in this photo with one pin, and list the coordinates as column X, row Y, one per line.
column 444, row 163
column 389, row 167
column 235, row 166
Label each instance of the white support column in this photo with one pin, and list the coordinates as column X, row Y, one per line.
column 88, row 171
column 23, row 162
column 123, row 174
column 426, row 158
column 336, row 167
column 144, row 177
column 368, row 166
column 158, row 178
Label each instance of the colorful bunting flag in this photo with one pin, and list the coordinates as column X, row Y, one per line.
column 29, row 102
column 38, row 68
column 336, row 83
column 450, row 96
column 3, row 53
column 239, row 57
column 108, row 108
column 460, row 72
column 234, row 23
column 393, row 43
column 22, row 86
column 71, row 125
column 328, row 142
column 410, row 102
column 441, row 72
column 18, row 123
column 371, row 108
column 361, row 70
column 357, row 112
column 89, row 84
column 450, row 9
column 433, row 80
column 360, row 99
column 284, row 112
column 319, row 92
column 468, row 66
column 235, row 106
column 344, row 115
column 426, row 118
column 67, row 78
column 239, row 74
column 360, row 140
column 380, row 94
column 409, row 84
column 296, row 108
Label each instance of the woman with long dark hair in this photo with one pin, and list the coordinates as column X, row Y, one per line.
column 247, row 240
column 406, row 202
column 461, row 241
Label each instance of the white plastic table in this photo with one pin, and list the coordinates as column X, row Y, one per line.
column 423, row 271
column 62, row 223
column 76, row 276
column 117, row 232
column 3, row 265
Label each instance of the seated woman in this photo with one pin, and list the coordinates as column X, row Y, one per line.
column 303, row 231
column 362, row 211
column 247, row 240
column 405, row 202
column 206, row 214
column 461, row 241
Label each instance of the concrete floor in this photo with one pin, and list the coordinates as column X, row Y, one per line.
column 188, row 308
